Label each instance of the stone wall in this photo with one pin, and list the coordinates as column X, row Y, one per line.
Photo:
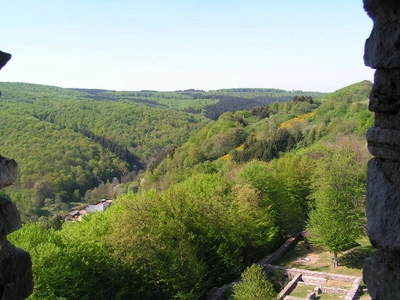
column 382, row 52
column 318, row 279
column 16, row 281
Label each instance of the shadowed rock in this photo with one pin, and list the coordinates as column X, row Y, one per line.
column 4, row 58
column 8, row 171
column 15, row 272
column 382, row 52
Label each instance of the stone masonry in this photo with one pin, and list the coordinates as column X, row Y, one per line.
column 16, row 280
column 382, row 53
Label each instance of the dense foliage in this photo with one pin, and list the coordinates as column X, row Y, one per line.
column 70, row 141
column 213, row 103
column 177, row 244
column 244, row 136
column 339, row 192
column 66, row 143
column 213, row 202
column 254, row 285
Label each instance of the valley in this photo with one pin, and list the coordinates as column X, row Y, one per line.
column 196, row 197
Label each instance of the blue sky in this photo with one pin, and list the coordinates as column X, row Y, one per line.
column 308, row 45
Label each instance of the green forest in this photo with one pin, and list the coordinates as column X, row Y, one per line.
column 200, row 191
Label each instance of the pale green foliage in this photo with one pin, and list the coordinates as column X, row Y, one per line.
column 198, row 232
column 338, row 191
column 254, row 285
column 283, row 185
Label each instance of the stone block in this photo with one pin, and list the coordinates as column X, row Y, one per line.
column 8, row 171
column 16, row 279
column 314, row 280
column 385, row 93
column 383, row 204
column 382, row 48
column 384, row 143
column 381, row 273
column 387, row 120
column 317, row 290
column 10, row 219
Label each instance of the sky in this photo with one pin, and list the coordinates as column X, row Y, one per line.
column 308, row 45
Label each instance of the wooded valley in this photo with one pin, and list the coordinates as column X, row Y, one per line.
column 204, row 183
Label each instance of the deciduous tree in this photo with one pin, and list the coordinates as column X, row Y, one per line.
column 338, row 191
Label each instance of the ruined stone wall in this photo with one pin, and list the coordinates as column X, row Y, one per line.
column 382, row 52
column 16, row 281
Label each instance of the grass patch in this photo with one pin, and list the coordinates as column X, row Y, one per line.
column 338, row 284
column 350, row 262
column 302, row 291
column 354, row 258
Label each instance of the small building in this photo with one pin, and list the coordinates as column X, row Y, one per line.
column 101, row 206
column 78, row 214
column 71, row 215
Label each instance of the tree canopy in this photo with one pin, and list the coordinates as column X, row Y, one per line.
column 215, row 198
column 338, row 218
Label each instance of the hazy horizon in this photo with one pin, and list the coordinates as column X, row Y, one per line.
column 178, row 45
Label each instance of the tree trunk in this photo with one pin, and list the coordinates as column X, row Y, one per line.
column 335, row 260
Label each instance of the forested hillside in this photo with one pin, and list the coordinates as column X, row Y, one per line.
column 206, row 209
column 71, row 143
column 211, row 103
column 265, row 133
column 67, row 143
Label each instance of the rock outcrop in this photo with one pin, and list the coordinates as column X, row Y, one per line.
column 15, row 264
column 16, row 280
column 4, row 58
column 382, row 52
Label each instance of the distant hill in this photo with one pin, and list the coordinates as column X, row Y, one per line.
column 212, row 103
column 268, row 132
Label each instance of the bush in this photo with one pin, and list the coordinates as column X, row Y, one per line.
column 254, row 285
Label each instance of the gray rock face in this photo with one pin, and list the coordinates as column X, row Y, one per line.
column 8, row 171
column 385, row 94
column 382, row 274
column 10, row 219
column 384, row 143
column 15, row 272
column 382, row 48
column 383, row 209
column 382, row 52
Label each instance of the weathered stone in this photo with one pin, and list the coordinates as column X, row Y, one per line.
column 6, row 248
column 8, row 171
column 384, row 143
column 10, row 219
column 4, row 58
column 290, row 286
column 385, row 93
column 382, row 52
column 388, row 120
column 381, row 273
column 15, row 272
column 382, row 48
column 383, row 209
